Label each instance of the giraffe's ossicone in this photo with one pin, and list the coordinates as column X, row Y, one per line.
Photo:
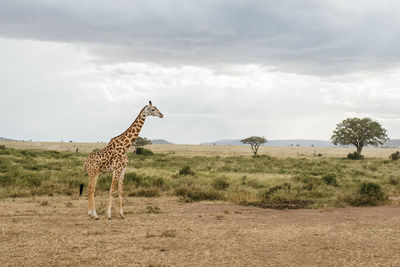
column 112, row 158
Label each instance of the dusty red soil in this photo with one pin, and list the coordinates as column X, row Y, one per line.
column 58, row 232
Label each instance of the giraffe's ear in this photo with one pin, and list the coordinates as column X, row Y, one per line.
column 150, row 103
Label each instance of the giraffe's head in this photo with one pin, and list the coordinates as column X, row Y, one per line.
column 151, row 110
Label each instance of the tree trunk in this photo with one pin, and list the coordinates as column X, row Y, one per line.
column 255, row 149
column 359, row 149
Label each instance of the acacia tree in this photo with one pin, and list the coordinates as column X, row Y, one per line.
column 255, row 142
column 140, row 142
column 359, row 132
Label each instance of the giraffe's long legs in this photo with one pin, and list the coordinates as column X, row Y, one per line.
column 91, row 189
column 120, row 191
column 116, row 175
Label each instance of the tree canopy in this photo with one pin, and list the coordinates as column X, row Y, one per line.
column 255, row 142
column 141, row 142
column 360, row 133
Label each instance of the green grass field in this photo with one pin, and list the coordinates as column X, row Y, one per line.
column 267, row 181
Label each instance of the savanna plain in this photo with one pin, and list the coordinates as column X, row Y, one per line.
column 202, row 205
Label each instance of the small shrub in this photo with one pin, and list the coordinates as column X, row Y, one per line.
column 282, row 197
column 186, row 171
column 330, row 179
column 220, row 184
column 395, row 156
column 143, row 151
column 354, row 156
column 369, row 194
column 2, row 147
column 394, row 180
column 371, row 190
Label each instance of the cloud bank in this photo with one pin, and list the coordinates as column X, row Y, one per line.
column 312, row 37
column 81, row 70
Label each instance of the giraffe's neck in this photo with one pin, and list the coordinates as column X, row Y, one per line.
column 129, row 136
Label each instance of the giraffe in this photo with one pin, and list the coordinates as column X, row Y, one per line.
column 112, row 158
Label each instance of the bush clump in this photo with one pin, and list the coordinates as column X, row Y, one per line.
column 186, row 171
column 354, row 156
column 282, row 196
column 395, row 156
column 220, row 184
column 330, row 179
column 2, row 147
column 394, row 180
column 143, row 151
column 368, row 194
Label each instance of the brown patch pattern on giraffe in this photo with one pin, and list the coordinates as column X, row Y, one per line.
column 112, row 158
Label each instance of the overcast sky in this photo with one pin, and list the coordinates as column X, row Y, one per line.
column 220, row 69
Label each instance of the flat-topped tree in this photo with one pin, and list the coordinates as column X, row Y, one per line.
column 360, row 133
column 140, row 142
column 255, row 142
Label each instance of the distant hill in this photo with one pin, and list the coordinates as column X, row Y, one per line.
column 300, row 142
column 392, row 143
column 290, row 142
column 225, row 142
column 160, row 142
column 6, row 139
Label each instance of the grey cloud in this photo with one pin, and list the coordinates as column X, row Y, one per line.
column 317, row 37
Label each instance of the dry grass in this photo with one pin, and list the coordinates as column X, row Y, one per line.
column 264, row 180
column 195, row 234
column 208, row 150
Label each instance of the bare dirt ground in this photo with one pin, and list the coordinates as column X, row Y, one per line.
column 56, row 231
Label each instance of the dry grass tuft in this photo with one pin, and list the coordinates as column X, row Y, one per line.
column 153, row 209
column 168, row 233
column 219, row 217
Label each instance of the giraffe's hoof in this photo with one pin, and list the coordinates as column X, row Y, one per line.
column 94, row 215
column 122, row 216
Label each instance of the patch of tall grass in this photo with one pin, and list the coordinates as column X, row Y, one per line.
column 261, row 181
